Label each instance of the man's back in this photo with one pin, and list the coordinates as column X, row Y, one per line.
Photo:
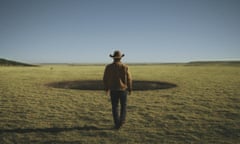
column 117, row 77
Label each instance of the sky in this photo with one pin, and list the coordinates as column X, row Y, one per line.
column 87, row 31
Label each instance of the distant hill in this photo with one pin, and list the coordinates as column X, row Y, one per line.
column 5, row 62
column 210, row 63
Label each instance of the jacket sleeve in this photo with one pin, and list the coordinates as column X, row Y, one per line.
column 129, row 80
column 105, row 79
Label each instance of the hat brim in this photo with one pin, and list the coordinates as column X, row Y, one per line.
column 112, row 56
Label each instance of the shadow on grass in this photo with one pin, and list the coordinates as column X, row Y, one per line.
column 51, row 130
column 98, row 85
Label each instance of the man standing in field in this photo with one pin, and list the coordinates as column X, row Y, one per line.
column 117, row 80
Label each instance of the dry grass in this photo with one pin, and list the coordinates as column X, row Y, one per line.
column 203, row 108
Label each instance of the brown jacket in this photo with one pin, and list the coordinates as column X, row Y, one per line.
column 117, row 77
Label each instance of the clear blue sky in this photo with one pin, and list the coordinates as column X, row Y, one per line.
column 87, row 31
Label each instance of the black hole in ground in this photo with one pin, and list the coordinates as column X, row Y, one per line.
column 98, row 85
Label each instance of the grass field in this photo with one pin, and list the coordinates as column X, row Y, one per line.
column 203, row 108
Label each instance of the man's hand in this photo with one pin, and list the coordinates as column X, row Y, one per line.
column 107, row 93
column 129, row 92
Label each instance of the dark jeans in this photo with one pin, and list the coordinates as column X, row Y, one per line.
column 117, row 96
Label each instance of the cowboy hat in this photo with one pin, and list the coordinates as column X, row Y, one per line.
column 117, row 54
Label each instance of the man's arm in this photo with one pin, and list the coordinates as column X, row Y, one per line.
column 105, row 79
column 129, row 81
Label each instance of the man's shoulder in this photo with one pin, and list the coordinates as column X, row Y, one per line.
column 109, row 65
column 119, row 64
column 124, row 65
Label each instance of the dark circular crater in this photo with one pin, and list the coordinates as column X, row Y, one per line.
column 98, row 85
